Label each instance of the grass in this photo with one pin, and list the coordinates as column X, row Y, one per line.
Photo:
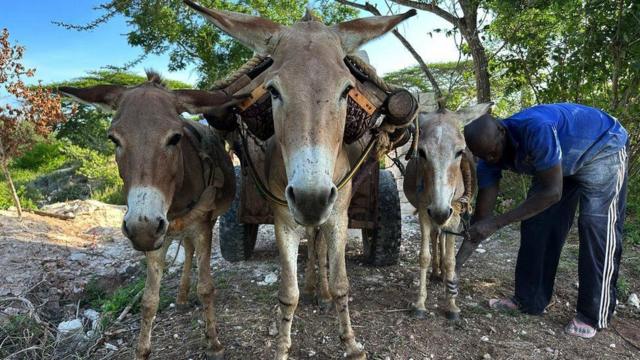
column 20, row 332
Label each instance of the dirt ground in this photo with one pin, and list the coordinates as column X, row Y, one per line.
column 379, row 301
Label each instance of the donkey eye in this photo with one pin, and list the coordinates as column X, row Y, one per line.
column 275, row 94
column 174, row 140
column 345, row 93
column 114, row 140
column 459, row 153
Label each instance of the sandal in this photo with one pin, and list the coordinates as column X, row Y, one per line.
column 580, row 329
column 505, row 304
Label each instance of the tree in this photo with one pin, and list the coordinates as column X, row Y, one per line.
column 168, row 26
column 34, row 114
column 470, row 29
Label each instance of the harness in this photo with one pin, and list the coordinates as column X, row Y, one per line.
column 366, row 103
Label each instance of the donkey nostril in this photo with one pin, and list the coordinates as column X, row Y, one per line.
column 161, row 226
column 291, row 194
column 450, row 212
column 125, row 230
column 429, row 212
column 333, row 194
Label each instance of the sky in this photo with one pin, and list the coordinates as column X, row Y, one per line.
column 59, row 54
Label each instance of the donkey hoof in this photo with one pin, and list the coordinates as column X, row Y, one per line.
column 217, row 355
column 360, row 355
column 325, row 305
column 418, row 313
column 452, row 315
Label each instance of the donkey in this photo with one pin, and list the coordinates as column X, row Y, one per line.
column 439, row 183
column 309, row 84
column 177, row 180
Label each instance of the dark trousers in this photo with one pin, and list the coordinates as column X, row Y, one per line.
column 600, row 188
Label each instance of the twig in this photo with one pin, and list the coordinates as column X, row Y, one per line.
column 130, row 305
column 23, row 350
column 48, row 214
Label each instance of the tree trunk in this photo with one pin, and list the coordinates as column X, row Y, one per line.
column 469, row 29
column 7, row 175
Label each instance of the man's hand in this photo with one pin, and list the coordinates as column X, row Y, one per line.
column 482, row 229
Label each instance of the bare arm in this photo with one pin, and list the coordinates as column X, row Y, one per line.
column 547, row 193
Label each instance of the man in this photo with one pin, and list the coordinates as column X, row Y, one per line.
column 576, row 155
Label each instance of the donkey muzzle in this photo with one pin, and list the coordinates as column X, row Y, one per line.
column 311, row 206
column 145, row 222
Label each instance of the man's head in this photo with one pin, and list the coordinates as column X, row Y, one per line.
column 486, row 138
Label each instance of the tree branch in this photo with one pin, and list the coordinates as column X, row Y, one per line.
column 373, row 10
column 432, row 8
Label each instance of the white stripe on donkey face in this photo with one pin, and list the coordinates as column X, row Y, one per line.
column 145, row 222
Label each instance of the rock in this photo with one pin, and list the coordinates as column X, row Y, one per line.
column 91, row 314
column 78, row 256
column 613, row 346
column 634, row 301
column 576, row 285
column 71, row 326
column 110, row 347
column 312, row 353
column 486, row 356
column 273, row 329
column 484, row 338
column 269, row 279
column 481, row 251
column 550, row 332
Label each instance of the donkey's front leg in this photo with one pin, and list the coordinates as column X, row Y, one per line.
column 287, row 239
column 335, row 231
column 151, row 298
column 419, row 308
column 450, row 278
column 206, row 290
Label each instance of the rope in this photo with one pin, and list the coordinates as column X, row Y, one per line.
column 244, row 69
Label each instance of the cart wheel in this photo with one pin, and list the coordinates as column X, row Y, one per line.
column 382, row 245
column 236, row 240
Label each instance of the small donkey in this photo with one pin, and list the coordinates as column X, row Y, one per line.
column 439, row 183
column 177, row 179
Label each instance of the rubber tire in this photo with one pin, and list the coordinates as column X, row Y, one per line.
column 237, row 240
column 382, row 245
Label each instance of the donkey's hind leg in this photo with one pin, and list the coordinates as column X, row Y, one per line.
column 310, row 278
column 436, row 262
column 206, row 290
column 185, row 278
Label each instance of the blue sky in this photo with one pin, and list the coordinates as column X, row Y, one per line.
column 59, row 54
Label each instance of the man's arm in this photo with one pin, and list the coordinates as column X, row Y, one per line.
column 485, row 203
column 546, row 194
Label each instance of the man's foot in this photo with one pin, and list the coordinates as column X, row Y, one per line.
column 580, row 329
column 505, row 304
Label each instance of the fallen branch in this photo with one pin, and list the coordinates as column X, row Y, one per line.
column 130, row 305
column 48, row 214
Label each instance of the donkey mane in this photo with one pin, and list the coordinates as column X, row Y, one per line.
column 155, row 78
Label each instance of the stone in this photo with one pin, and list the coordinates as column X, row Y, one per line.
column 71, row 326
column 634, row 301
column 78, row 256
column 484, row 338
column 91, row 314
column 486, row 356
column 110, row 347
column 269, row 279
column 273, row 329
column 481, row 251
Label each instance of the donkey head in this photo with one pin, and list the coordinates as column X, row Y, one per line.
column 440, row 151
column 309, row 83
column 147, row 130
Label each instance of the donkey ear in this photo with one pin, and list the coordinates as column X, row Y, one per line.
column 256, row 33
column 201, row 101
column 474, row 112
column 356, row 33
column 104, row 96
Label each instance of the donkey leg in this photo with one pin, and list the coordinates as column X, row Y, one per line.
column 436, row 273
column 324, row 294
column 185, row 278
column 150, row 299
column 310, row 278
column 335, row 231
column 288, row 241
column 442, row 243
column 451, row 280
column 419, row 309
column 206, row 291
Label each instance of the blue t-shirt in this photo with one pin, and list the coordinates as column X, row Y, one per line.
column 547, row 135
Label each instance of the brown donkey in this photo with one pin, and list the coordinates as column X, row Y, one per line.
column 439, row 183
column 177, row 180
column 309, row 84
